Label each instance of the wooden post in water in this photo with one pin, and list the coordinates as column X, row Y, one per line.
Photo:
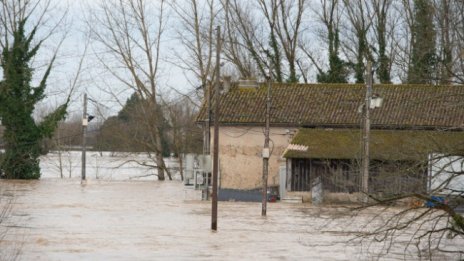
column 266, row 153
column 214, row 194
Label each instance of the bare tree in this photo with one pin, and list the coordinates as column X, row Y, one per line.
column 449, row 23
column 444, row 17
column 288, row 28
column 130, row 31
column 329, row 17
column 381, row 21
column 243, row 45
column 14, row 11
column 197, row 37
column 427, row 217
column 369, row 35
column 185, row 135
column 254, row 46
column 46, row 18
column 67, row 135
column 359, row 15
column 458, row 53
column 270, row 10
column 401, row 37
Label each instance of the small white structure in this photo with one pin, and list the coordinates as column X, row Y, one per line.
column 197, row 170
column 446, row 174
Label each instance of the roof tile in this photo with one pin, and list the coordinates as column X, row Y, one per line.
column 404, row 106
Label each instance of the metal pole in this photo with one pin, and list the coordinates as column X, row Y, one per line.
column 84, row 135
column 214, row 203
column 266, row 153
column 366, row 136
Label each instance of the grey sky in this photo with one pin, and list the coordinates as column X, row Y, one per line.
column 94, row 79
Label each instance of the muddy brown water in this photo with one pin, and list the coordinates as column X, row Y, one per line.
column 55, row 219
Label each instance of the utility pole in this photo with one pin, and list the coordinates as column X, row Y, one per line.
column 214, row 194
column 84, row 136
column 266, row 153
column 207, row 138
column 207, row 141
column 366, row 136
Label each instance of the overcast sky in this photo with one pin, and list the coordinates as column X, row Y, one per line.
column 94, row 79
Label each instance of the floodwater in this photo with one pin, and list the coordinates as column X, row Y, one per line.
column 101, row 165
column 60, row 219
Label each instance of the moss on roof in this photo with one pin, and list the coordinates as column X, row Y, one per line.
column 404, row 106
column 384, row 144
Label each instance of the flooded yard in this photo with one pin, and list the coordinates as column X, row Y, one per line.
column 60, row 219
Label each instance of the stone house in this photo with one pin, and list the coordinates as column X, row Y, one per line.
column 316, row 132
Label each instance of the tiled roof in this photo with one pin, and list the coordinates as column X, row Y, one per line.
column 404, row 106
column 384, row 144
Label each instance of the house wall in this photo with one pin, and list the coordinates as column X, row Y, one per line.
column 240, row 161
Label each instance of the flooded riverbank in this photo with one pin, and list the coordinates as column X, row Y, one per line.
column 59, row 219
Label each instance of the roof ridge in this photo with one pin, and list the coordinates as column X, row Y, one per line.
column 362, row 84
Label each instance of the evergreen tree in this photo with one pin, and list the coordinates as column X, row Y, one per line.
column 423, row 58
column 383, row 60
column 359, row 67
column 130, row 108
column 275, row 57
column 23, row 136
column 130, row 131
column 337, row 72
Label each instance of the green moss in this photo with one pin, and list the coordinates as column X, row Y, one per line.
column 458, row 222
column 406, row 106
column 384, row 144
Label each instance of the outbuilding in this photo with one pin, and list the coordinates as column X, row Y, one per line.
column 316, row 132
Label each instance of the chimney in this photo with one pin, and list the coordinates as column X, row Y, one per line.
column 226, row 84
column 247, row 84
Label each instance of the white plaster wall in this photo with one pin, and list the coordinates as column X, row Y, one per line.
column 240, row 148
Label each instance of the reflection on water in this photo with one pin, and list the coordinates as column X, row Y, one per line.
column 59, row 219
